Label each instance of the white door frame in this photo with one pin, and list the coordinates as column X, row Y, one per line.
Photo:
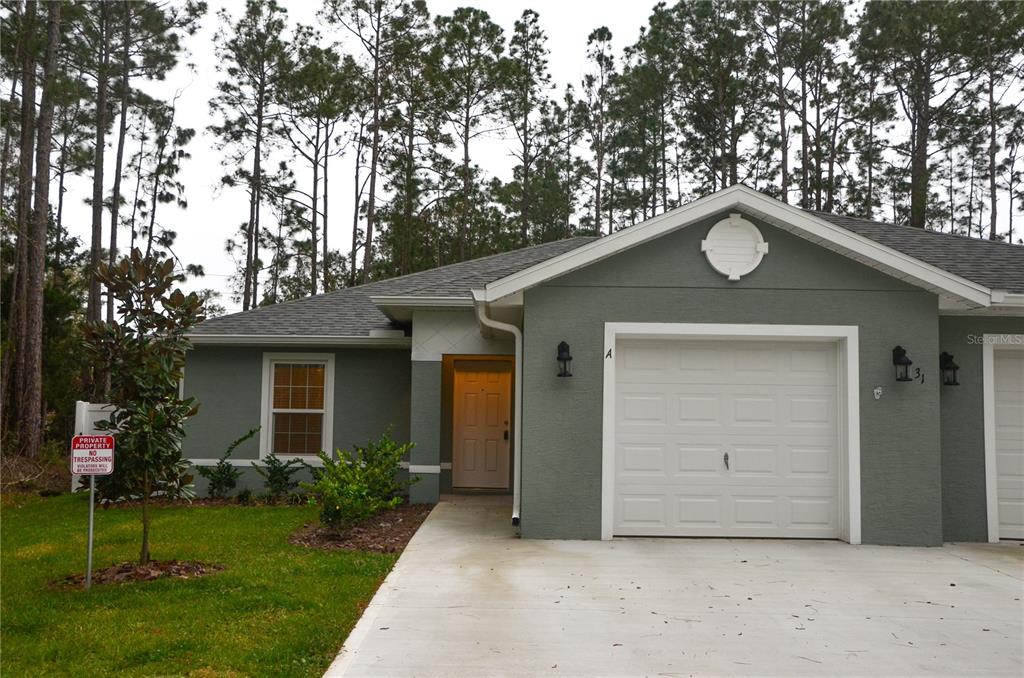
column 991, row 343
column 846, row 336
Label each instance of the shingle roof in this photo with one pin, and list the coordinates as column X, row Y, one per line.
column 995, row 265
column 350, row 313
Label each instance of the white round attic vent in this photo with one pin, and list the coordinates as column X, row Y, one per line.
column 734, row 247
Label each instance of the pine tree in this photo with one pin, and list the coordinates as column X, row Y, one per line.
column 251, row 55
column 466, row 61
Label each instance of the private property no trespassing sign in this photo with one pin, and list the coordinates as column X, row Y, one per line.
column 92, row 455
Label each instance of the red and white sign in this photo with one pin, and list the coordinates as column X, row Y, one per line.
column 92, row 455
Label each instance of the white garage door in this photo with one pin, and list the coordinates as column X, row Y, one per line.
column 726, row 438
column 1009, row 400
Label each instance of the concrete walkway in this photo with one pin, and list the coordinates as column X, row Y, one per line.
column 468, row 599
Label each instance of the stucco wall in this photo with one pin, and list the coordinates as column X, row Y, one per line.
column 371, row 394
column 964, row 516
column 425, row 419
column 668, row 280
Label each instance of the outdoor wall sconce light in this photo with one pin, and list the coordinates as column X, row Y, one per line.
column 949, row 369
column 564, row 360
column 902, row 363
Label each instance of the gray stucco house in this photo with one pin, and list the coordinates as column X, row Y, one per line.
column 740, row 367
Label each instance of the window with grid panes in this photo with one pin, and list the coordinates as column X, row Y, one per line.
column 297, row 408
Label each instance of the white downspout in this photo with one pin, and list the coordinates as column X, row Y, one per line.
column 517, row 410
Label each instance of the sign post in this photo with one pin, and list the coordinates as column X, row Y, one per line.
column 92, row 456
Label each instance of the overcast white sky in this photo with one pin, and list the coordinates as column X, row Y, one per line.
column 214, row 214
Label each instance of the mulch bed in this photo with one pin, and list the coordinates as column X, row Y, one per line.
column 386, row 532
column 124, row 573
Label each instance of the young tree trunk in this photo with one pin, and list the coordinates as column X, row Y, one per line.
column 93, row 309
column 32, row 417
column 115, row 197
column 144, row 549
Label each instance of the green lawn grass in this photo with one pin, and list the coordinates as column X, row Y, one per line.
column 277, row 609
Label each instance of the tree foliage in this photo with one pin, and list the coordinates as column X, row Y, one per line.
column 143, row 357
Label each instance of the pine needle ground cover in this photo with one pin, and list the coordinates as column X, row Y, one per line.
column 276, row 609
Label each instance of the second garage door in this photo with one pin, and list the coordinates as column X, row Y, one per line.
column 726, row 438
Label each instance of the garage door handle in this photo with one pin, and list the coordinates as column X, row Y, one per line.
column 725, row 458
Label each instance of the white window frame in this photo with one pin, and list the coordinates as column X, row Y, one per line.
column 266, row 401
column 848, row 354
column 991, row 344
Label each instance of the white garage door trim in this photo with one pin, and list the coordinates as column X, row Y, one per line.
column 992, row 343
column 846, row 336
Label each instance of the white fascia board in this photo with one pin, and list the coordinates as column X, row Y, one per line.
column 743, row 198
column 296, row 340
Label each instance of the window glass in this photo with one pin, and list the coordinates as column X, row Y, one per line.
column 298, row 408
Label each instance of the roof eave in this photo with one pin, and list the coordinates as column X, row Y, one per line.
column 399, row 308
column 387, row 341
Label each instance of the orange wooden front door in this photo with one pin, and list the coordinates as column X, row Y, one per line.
column 480, row 429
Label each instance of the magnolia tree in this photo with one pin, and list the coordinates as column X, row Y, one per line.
column 143, row 358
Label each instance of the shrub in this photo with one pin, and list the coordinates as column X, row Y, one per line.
column 244, row 496
column 223, row 477
column 360, row 483
column 277, row 476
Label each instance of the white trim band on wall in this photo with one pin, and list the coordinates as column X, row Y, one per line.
column 425, row 469
column 845, row 335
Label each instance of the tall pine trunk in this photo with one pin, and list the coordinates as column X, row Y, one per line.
column 32, row 418
column 327, row 150
column 23, row 208
column 371, row 204
column 992, row 129
column 93, row 309
column 314, row 214
column 357, row 191
column 115, row 197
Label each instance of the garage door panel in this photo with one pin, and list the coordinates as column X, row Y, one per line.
column 771, row 407
column 1009, row 441
column 812, row 461
column 754, row 460
column 642, row 511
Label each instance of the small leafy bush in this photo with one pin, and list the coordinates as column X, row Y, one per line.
column 359, row 484
column 244, row 497
column 277, row 477
column 223, row 477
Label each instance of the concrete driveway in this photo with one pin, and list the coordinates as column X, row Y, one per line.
column 468, row 599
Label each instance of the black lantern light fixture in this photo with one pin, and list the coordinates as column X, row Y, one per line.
column 902, row 363
column 564, row 360
column 949, row 369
